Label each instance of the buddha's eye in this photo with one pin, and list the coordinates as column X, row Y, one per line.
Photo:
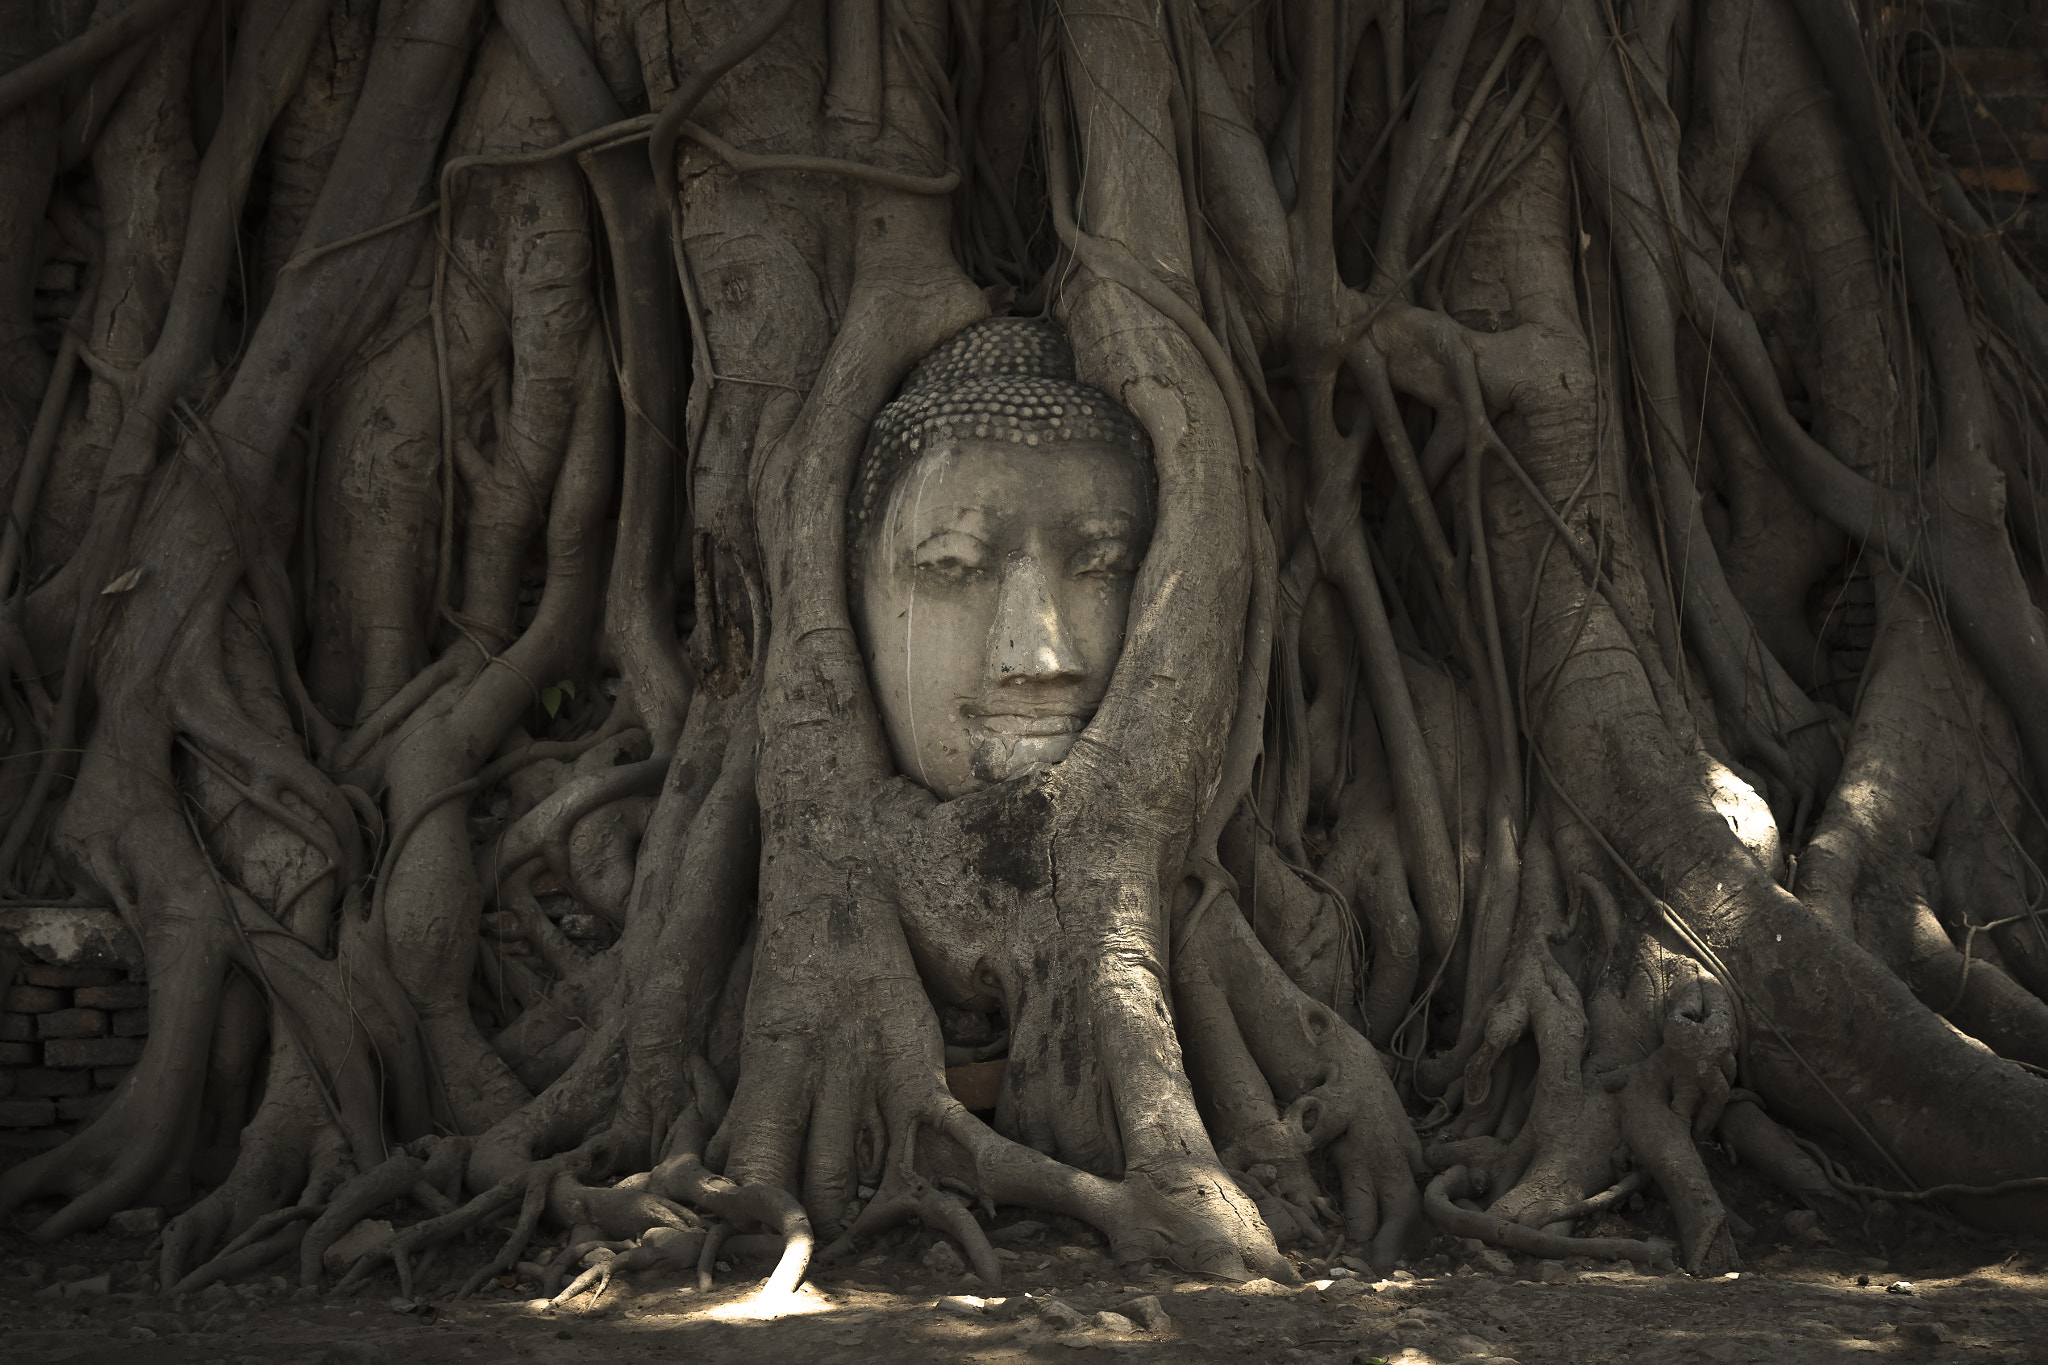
column 951, row 555
column 1109, row 557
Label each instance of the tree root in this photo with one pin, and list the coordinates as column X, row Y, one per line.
column 1457, row 1183
column 430, row 1164
column 905, row 1196
column 686, row 1179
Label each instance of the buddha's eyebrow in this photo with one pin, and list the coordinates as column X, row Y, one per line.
column 937, row 518
column 1097, row 525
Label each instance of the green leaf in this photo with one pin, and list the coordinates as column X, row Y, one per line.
column 551, row 699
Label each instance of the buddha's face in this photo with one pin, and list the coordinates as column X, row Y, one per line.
column 994, row 588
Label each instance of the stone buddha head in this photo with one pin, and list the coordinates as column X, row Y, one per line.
column 995, row 528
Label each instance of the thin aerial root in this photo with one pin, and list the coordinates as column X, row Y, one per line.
column 1456, row 1183
column 707, row 1259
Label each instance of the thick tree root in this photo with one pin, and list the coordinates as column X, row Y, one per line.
column 1457, row 1183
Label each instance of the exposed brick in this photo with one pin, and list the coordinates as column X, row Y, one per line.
column 19, row 1054
column 72, row 1024
column 6, row 1084
column 17, row 1028
column 121, row 995
column 40, row 1083
column 1995, row 66
column 33, row 999
column 76, row 1108
column 130, row 1023
column 27, row 1113
column 18, row 1144
column 92, row 1051
column 107, row 1077
column 1998, row 179
column 41, row 974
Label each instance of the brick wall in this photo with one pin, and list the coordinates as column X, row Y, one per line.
column 67, row 1037
column 1984, row 101
column 72, row 1021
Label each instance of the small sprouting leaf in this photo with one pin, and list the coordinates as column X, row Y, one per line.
column 551, row 695
column 124, row 582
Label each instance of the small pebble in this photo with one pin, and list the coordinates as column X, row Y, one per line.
column 136, row 1222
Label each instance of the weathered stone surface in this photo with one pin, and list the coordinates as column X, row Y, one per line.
column 372, row 1234
column 118, row 995
column 17, row 1143
column 70, row 936
column 1266, row 1288
column 27, row 1113
column 77, row 1108
column 72, row 1023
column 136, row 1222
column 942, row 1259
column 36, row 999
column 66, row 978
column 92, row 1051
column 1495, row 1260
column 40, row 1083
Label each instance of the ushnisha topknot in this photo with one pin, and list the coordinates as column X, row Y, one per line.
column 1003, row 379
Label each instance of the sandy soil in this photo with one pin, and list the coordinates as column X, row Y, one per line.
column 1970, row 1300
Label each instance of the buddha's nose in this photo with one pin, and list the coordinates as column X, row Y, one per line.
column 1028, row 639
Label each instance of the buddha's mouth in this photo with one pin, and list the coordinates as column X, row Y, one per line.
column 1008, row 742
column 1028, row 725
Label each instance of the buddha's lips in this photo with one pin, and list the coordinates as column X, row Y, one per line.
column 1038, row 725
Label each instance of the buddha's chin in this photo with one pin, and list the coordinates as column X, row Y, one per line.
column 999, row 756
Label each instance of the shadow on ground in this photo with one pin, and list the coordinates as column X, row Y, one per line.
column 1973, row 1301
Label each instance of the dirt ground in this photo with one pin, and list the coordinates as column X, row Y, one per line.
column 1966, row 1299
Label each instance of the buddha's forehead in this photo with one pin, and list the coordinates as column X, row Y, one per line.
column 987, row 488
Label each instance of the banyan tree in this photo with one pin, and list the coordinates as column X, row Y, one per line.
column 1249, row 621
